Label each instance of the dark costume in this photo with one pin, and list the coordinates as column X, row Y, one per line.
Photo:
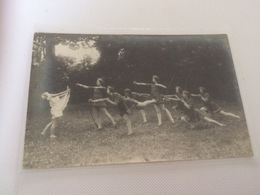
column 210, row 106
column 156, row 93
column 192, row 114
column 99, row 93
column 121, row 103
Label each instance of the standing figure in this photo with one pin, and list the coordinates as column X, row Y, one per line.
column 98, row 107
column 157, row 95
column 123, row 109
column 139, row 97
column 58, row 103
column 191, row 114
column 209, row 105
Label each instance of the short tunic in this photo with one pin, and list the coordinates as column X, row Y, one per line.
column 156, row 93
column 55, row 112
column 121, row 105
column 98, row 93
column 192, row 114
column 210, row 106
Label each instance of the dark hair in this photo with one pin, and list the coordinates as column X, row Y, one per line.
column 101, row 81
column 156, row 78
column 111, row 89
column 203, row 89
column 178, row 87
column 186, row 93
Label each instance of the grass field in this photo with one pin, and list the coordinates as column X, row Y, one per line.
column 79, row 143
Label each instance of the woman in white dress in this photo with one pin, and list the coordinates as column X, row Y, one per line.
column 58, row 103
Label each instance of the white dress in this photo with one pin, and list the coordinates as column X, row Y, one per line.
column 58, row 104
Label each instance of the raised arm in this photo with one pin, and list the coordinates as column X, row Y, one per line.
column 61, row 93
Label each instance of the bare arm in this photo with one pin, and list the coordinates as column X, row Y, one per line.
column 61, row 93
column 111, row 102
column 143, row 84
column 130, row 100
column 98, row 100
column 186, row 104
column 195, row 95
column 160, row 85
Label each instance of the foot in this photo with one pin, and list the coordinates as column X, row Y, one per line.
column 42, row 133
column 144, row 122
column 192, row 127
column 129, row 133
column 159, row 124
column 53, row 136
column 223, row 125
column 115, row 125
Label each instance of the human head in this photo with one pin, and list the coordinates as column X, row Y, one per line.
column 202, row 89
column 178, row 89
column 110, row 90
column 155, row 79
column 46, row 96
column 186, row 94
column 127, row 92
column 100, row 82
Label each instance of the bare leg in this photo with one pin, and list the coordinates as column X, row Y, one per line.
column 98, row 118
column 104, row 110
column 204, row 110
column 143, row 115
column 213, row 121
column 159, row 114
column 53, row 126
column 167, row 112
column 146, row 103
column 229, row 114
column 46, row 128
column 187, row 122
column 128, row 124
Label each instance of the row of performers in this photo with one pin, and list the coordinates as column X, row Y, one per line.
column 131, row 100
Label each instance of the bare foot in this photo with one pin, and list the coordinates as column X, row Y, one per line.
column 130, row 133
column 53, row 136
column 42, row 133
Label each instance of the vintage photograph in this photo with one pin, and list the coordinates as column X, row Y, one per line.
column 116, row 99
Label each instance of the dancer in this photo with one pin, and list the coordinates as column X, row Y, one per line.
column 176, row 97
column 139, row 97
column 209, row 105
column 120, row 102
column 98, row 107
column 58, row 103
column 156, row 94
column 191, row 114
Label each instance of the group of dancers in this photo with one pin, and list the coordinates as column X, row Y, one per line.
column 132, row 100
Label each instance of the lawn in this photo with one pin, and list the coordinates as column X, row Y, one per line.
column 79, row 143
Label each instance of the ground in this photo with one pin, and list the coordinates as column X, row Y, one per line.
column 79, row 143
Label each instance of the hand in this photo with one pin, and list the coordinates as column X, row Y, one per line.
column 134, row 82
column 90, row 100
column 77, row 84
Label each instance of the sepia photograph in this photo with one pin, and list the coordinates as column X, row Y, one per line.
column 117, row 99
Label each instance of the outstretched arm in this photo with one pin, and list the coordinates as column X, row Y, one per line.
column 111, row 102
column 195, row 95
column 160, row 85
column 98, row 100
column 143, row 84
column 61, row 93
column 130, row 100
column 186, row 104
